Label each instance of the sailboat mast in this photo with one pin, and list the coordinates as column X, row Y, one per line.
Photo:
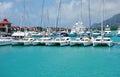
column 57, row 21
column 81, row 10
column 89, row 7
column 42, row 12
column 48, row 18
column 102, row 17
column 24, row 11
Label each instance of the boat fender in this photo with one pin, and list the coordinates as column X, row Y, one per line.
column 89, row 40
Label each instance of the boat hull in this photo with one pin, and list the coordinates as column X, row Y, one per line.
column 3, row 43
column 17, row 43
column 102, row 44
column 27, row 43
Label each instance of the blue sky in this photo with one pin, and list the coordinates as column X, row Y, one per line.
column 70, row 11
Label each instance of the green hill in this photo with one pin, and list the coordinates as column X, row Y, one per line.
column 114, row 22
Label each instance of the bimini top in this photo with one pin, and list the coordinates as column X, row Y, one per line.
column 24, row 34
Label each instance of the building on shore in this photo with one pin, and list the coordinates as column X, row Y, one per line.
column 5, row 27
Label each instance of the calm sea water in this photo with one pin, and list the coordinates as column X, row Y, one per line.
column 43, row 61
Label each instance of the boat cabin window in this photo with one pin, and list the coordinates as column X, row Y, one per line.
column 77, row 39
column 67, row 39
column 106, row 39
column 62, row 39
column 105, row 32
column 46, row 39
column 97, row 39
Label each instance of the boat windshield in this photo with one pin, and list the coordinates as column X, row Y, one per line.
column 106, row 39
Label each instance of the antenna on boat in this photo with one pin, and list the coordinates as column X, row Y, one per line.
column 42, row 13
column 58, row 15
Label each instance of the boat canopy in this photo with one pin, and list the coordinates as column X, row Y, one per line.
column 23, row 34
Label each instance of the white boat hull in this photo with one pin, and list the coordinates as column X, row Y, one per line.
column 102, row 43
column 27, row 43
column 17, row 42
column 81, row 43
column 74, row 43
column 87, row 43
column 36, row 43
column 2, row 43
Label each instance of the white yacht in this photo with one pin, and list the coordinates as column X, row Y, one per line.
column 73, row 32
column 118, row 32
column 5, row 41
column 84, row 41
column 107, row 31
column 18, row 37
column 42, row 41
column 80, row 28
column 59, row 41
column 102, row 41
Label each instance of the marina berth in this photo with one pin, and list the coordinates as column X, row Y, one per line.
column 103, row 41
column 82, row 41
column 59, row 41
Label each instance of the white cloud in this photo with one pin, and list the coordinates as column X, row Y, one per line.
column 70, row 11
column 5, row 8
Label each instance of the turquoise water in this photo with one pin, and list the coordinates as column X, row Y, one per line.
column 42, row 61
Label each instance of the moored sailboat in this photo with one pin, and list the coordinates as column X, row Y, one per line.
column 101, row 40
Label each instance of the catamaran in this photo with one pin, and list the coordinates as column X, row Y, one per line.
column 101, row 40
column 81, row 41
column 19, row 37
column 59, row 41
column 42, row 41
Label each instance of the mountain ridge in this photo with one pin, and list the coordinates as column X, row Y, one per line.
column 113, row 21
